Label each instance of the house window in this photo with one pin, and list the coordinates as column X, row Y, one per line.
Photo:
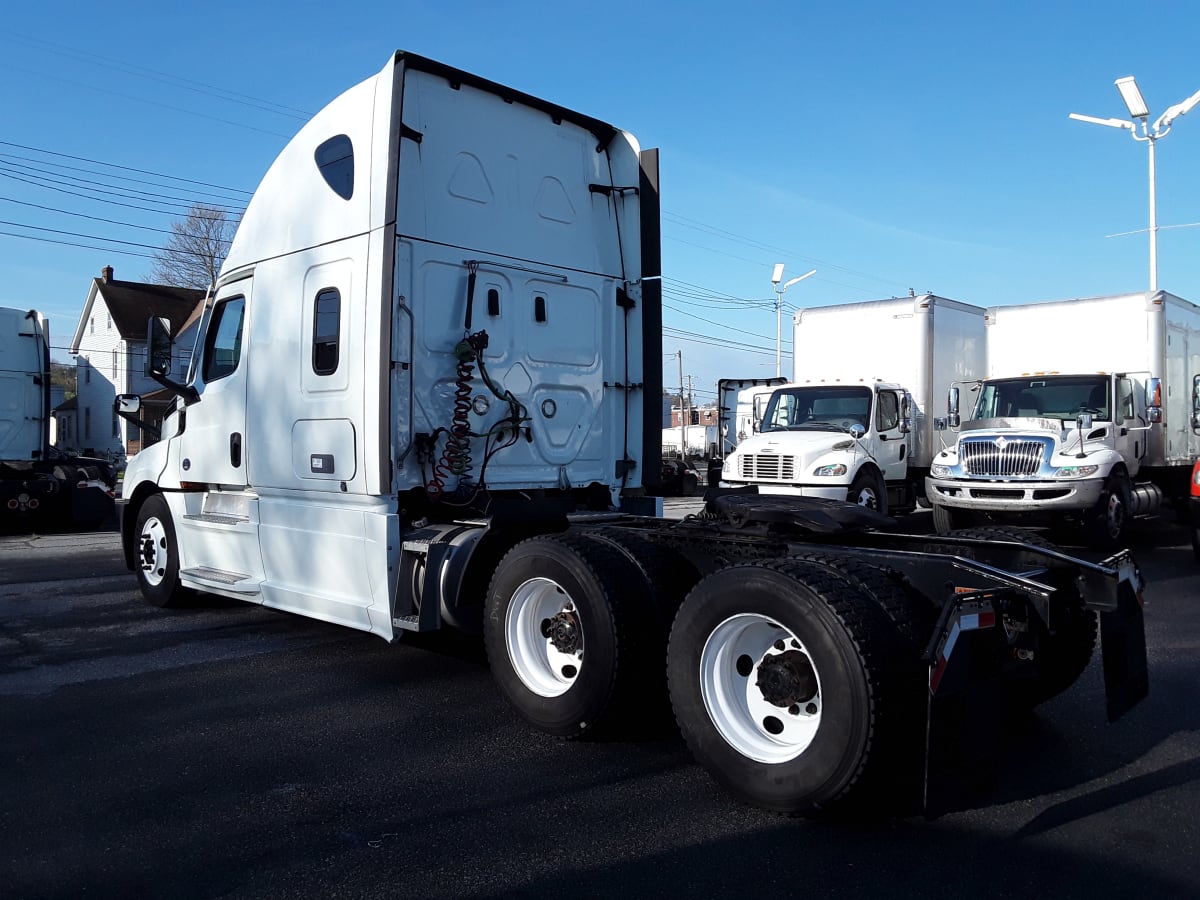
column 114, row 365
column 116, row 426
column 92, row 325
column 327, row 319
column 110, row 321
column 87, row 371
column 87, row 422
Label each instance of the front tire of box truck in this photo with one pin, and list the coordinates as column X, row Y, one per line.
column 946, row 519
column 869, row 490
column 156, row 555
column 562, row 636
column 795, row 690
column 1106, row 525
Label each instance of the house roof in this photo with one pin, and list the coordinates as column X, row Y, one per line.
column 67, row 405
column 133, row 303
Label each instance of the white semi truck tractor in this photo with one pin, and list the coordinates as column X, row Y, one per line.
column 419, row 401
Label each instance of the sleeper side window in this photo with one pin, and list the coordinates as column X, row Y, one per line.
column 327, row 319
column 223, row 347
column 335, row 160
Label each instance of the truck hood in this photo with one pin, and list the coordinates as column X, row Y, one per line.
column 805, row 446
column 1063, row 438
column 1015, row 423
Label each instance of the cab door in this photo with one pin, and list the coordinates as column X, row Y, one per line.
column 891, row 450
column 213, row 443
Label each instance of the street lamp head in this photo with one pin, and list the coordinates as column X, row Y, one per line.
column 1174, row 112
column 1095, row 120
column 1132, row 97
column 798, row 278
column 777, row 275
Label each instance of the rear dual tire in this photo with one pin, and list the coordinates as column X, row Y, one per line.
column 795, row 689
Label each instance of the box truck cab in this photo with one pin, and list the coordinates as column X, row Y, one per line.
column 1084, row 416
column 856, row 421
column 834, row 441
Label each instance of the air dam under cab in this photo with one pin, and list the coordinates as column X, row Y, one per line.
column 418, row 402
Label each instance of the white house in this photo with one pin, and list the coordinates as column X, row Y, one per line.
column 110, row 356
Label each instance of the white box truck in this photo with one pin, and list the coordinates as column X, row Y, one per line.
column 1085, row 414
column 419, row 400
column 856, row 421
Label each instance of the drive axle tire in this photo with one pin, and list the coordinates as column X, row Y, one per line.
column 156, row 555
column 560, row 635
column 792, row 687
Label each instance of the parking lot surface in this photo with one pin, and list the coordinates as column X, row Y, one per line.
column 226, row 750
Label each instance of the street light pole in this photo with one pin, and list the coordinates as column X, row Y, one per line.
column 1139, row 115
column 776, row 277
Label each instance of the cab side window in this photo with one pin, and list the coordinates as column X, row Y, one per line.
column 1125, row 408
column 223, row 345
column 887, row 416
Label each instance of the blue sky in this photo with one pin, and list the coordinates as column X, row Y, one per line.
column 922, row 145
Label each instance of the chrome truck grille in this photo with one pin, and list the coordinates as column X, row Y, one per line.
column 1002, row 457
column 768, row 467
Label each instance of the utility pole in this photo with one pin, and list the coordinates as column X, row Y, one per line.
column 688, row 419
column 682, row 408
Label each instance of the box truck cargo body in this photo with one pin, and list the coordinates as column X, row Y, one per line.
column 882, row 366
column 1086, row 413
column 419, row 402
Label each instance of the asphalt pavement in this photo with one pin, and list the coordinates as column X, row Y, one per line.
column 227, row 750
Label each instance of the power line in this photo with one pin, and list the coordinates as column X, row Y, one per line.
column 200, row 87
column 123, row 168
column 100, row 219
column 111, row 175
column 74, row 181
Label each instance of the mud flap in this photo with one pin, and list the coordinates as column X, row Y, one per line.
column 964, row 720
column 1123, row 644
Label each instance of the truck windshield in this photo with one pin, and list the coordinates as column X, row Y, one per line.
column 1045, row 396
column 821, row 408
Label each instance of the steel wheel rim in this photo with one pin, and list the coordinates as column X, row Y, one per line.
column 152, row 545
column 868, row 498
column 1114, row 515
column 738, row 707
column 548, row 664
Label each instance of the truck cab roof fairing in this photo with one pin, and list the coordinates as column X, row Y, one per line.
column 295, row 207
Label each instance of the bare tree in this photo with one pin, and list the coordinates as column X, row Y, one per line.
column 197, row 247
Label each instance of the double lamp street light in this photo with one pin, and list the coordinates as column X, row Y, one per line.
column 1139, row 115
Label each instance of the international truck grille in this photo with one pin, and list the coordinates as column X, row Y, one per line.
column 1002, row 457
column 768, row 467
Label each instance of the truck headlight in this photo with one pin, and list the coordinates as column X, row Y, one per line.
column 1077, row 471
column 939, row 471
column 826, row 471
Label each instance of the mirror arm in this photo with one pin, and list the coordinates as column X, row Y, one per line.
column 187, row 392
column 153, row 430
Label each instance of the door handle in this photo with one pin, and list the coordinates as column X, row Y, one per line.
column 235, row 449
